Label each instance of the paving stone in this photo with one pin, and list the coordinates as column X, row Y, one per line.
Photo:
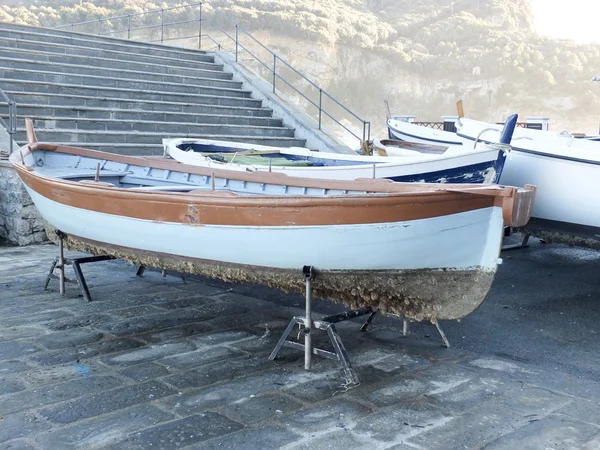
column 40, row 318
column 582, row 409
column 165, row 320
column 17, row 332
column 65, row 372
column 107, row 401
column 388, row 362
column 174, row 334
column 222, row 337
column 148, row 353
column 13, row 366
column 103, row 431
column 85, row 351
column 251, row 439
column 212, row 373
column 145, row 372
column 8, row 386
column 335, row 414
column 394, row 425
column 473, row 429
column 557, row 433
column 13, row 426
column 170, row 301
column 256, row 409
column 200, row 357
column 458, row 393
column 16, row 349
column 233, row 391
column 18, row 444
column 532, row 400
column 180, row 433
column 79, row 321
column 136, row 311
column 70, row 338
column 341, row 439
column 398, row 391
column 46, row 395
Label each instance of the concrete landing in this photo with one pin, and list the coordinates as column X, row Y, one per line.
column 155, row 363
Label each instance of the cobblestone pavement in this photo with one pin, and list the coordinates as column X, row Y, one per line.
column 156, row 363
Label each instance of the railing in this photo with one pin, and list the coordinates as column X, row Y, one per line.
column 434, row 125
column 275, row 66
column 11, row 127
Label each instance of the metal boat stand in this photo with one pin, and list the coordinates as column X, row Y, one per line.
column 445, row 341
column 163, row 272
column 524, row 244
column 60, row 262
column 325, row 324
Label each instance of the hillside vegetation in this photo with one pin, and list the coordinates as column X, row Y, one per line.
column 421, row 55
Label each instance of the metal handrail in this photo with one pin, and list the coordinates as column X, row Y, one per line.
column 12, row 119
column 366, row 125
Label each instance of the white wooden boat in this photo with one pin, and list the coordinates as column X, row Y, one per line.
column 567, row 207
column 416, row 250
column 489, row 132
column 481, row 166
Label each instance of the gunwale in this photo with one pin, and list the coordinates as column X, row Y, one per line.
column 384, row 201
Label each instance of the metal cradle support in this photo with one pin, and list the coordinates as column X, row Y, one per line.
column 445, row 340
column 142, row 269
column 60, row 262
column 326, row 324
column 524, row 244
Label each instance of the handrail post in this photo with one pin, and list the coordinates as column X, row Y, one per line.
column 236, row 42
column 320, row 106
column 129, row 27
column 274, row 71
column 12, row 124
column 200, row 29
column 162, row 26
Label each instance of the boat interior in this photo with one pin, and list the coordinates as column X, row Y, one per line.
column 84, row 169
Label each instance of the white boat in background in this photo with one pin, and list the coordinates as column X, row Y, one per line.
column 483, row 165
column 567, row 206
column 418, row 134
column 489, row 132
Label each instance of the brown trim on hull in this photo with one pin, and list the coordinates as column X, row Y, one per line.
column 413, row 294
column 395, row 202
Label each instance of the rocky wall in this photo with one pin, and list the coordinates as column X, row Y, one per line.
column 20, row 222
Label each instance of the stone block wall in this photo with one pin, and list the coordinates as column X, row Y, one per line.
column 20, row 222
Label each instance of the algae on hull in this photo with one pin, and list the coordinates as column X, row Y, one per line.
column 415, row 294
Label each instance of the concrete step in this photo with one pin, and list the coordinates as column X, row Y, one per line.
column 68, row 112
column 183, row 69
column 116, row 104
column 202, row 86
column 83, row 137
column 24, row 32
column 77, row 50
column 208, row 78
column 112, row 126
column 140, row 94
column 134, row 62
column 156, row 149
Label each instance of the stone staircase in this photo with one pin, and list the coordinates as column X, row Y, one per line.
column 124, row 96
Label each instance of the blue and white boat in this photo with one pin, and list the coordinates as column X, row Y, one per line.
column 457, row 165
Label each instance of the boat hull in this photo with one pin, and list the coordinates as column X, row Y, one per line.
column 397, row 267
